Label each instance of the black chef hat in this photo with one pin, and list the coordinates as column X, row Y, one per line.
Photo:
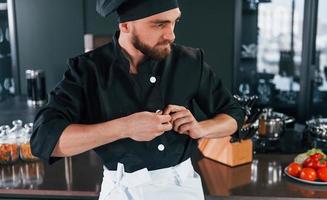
column 129, row 10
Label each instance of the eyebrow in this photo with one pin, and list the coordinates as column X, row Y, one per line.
column 159, row 21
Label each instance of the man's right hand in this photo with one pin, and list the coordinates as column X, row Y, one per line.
column 145, row 126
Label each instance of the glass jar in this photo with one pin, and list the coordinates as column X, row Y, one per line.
column 10, row 176
column 8, row 146
column 17, row 131
column 32, row 174
column 25, row 147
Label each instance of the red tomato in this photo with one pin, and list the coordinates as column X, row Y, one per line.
column 308, row 174
column 294, row 169
column 321, row 163
column 310, row 163
column 317, row 156
column 322, row 174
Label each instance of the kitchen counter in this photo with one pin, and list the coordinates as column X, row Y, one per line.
column 263, row 178
column 80, row 177
column 13, row 108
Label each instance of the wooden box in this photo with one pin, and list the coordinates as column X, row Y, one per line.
column 231, row 154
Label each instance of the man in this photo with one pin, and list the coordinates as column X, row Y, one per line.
column 132, row 102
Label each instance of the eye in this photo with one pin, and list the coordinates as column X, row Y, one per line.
column 160, row 25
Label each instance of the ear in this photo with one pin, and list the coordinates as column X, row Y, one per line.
column 124, row 27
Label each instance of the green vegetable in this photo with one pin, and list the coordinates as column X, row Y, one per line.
column 300, row 158
column 313, row 151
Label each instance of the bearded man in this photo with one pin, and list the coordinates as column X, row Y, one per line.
column 132, row 102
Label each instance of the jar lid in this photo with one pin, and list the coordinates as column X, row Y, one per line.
column 4, row 130
column 17, row 130
column 17, row 122
column 28, row 126
column 28, row 129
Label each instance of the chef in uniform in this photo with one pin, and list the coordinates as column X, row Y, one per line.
column 132, row 102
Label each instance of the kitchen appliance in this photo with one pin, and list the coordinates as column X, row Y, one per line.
column 273, row 124
column 272, row 127
column 315, row 133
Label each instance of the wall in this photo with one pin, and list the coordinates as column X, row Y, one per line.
column 44, row 34
column 48, row 32
column 209, row 26
column 94, row 23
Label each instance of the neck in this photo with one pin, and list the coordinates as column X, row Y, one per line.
column 134, row 56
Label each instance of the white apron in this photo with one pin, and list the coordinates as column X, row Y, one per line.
column 174, row 183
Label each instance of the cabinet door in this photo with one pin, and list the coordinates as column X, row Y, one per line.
column 320, row 68
column 270, row 59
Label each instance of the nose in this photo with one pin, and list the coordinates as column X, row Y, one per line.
column 169, row 34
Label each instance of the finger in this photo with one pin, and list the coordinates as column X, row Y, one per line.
column 178, row 122
column 173, row 108
column 166, row 127
column 179, row 114
column 164, row 118
column 185, row 128
column 160, row 133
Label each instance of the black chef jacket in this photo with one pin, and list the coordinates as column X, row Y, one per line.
column 98, row 87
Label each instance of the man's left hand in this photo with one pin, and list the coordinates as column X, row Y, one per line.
column 183, row 121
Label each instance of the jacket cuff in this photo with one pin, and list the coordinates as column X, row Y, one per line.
column 54, row 131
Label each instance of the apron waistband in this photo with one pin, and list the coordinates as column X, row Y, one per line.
column 142, row 176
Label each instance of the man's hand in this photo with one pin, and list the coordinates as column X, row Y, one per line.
column 183, row 121
column 145, row 126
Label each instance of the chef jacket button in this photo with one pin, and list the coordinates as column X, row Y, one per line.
column 161, row 147
column 153, row 79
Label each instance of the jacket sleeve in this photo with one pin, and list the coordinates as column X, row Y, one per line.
column 63, row 108
column 213, row 98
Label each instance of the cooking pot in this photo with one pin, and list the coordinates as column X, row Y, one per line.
column 318, row 128
column 272, row 124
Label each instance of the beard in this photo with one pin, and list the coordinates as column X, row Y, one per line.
column 159, row 52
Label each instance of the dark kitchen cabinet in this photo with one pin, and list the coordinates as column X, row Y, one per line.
column 6, row 78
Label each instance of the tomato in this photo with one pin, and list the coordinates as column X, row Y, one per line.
column 294, row 169
column 315, row 163
column 321, row 163
column 308, row 174
column 317, row 156
column 310, row 162
column 322, row 174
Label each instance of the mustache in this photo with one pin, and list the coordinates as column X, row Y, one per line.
column 165, row 42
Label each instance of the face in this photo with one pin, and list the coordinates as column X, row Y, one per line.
column 154, row 35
